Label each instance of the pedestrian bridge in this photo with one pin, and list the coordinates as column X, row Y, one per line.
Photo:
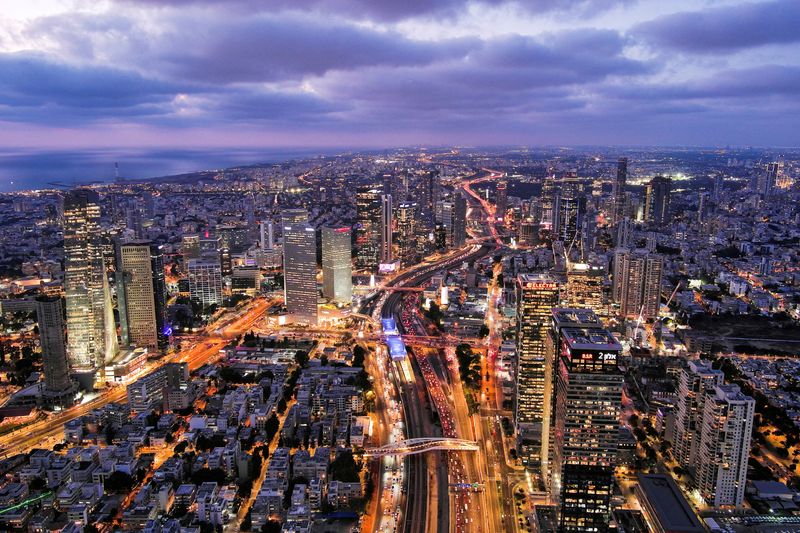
column 422, row 445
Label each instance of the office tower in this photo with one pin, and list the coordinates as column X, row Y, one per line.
column 406, row 232
column 702, row 206
column 300, row 272
column 528, row 232
column 148, row 204
column 58, row 389
column 624, row 234
column 387, row 254
column 656, row 206
column 719, row 186
column 142, row 295
column 205, row 281
column 368, row 227
column 725, row 446
column 637, row 282
column 133, row 220
column 267, row 241
column 695, row 381
column 618, row 191
column 588, row 398
column 337, row 271
column 459, row 221
column 571, row 212
column 585, row 286
column 451, row 218
column 501, row 200
column 293, row 216
column 190, row 247
column 767, row 179
column 233, row 238
column 537, row 295
column 429, row 196
column 91, row 331
column 551, row 197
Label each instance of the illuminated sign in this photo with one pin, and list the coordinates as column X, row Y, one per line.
column 539, row 285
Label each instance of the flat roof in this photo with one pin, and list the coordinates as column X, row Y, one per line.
column 589, row 339
column 566, row 316
column 665, row 498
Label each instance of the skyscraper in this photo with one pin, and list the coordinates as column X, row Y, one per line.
column 92, row 337
column 767, row 179
column 571, row 211
column 58, row 389
column 537, row 295
column 637, row 282
column 205, row 281
column 695, row 381
column 588, row 397
column 294, row 216
column 300, row 272
column 387, row 253
column 459, row 220
column 267, row 241
column 368, row 224
column 656, row 207
column 585, row 286
column 451, row 217
column 501, row 200
column 407, row 232
column 724, row 448
column 143, row 299
column 337, row 271
column 618, row 191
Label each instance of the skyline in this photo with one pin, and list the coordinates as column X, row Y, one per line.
column 351, row 74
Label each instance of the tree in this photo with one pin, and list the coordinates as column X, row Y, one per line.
column 271, row 526
column 271, row 427
column 301, row 358
column 323, row 360
column 344, row 468
column 118, row 483
column 484, row 331
column 358, row 355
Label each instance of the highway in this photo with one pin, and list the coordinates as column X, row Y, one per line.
column 422, row 472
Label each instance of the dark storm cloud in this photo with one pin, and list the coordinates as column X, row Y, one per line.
column 396, row 10
column 273, row 48
column 504, row 75
column 34, row 80
column 723, row 29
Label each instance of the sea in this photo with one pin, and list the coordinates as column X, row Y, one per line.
column 22, row 170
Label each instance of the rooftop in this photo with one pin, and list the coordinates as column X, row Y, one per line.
column 590, row 339
column 665, row 499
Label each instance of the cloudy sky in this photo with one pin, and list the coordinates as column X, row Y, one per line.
column 80, row 74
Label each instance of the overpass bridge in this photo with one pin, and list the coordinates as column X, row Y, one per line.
column 422, row 445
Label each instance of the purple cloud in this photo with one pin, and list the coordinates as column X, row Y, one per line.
column 722, row 29
column 396, row 10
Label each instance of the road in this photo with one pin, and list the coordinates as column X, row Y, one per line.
column 421, row 471
column 205, row 349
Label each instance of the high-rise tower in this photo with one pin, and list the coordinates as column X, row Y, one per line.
column 588, row 397
column 368, row 227
column 537, row 295
column 618, row 191
column 91, row 331
column 337, row 271
column 387, row 253
column 143, row 298
column 300, row 272
column 656, row 207
column 58, row 389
